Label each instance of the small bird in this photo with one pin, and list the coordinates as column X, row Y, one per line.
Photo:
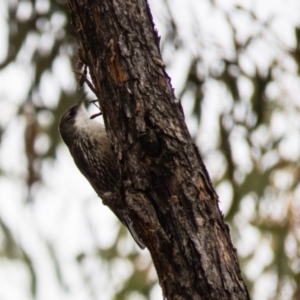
column 91, row 150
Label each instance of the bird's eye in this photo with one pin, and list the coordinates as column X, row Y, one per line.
column 69, row 115
column 72, row 112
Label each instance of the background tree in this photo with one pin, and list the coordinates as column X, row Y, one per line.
column 235, row 67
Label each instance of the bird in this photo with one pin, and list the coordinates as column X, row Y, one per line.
column 91, row 150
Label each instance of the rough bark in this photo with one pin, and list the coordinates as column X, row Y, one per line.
column 165, row 188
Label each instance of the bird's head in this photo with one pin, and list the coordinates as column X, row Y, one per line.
column 74, row 121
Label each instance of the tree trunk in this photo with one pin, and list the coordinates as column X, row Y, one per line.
column 165, row 188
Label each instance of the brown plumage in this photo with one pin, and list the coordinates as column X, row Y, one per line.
column 92, row 154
